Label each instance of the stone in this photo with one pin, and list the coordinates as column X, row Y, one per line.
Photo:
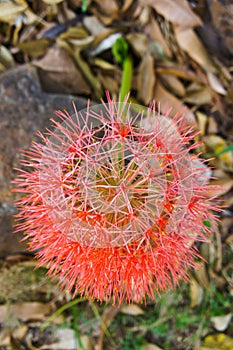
column 24, row 109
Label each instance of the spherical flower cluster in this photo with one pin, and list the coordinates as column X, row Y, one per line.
column 113, row 201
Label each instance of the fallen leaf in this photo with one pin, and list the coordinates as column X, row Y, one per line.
column 146, row 79
column 212, row 126
column 201, row 275
column 222, row 187
column 35, row 48
column 170, row 68
column 150, row 346
column 74, row 33
column 215, row 84
column 132, row 309
column 190, row 43
column 52, row 2
column 201, row 96
column 139, row 43
column 6, row 58
column 221, row 323
column 178, row 12
column 153, row 31
column 167, row 100
column 10, row 11
column 75, row 53
column 109, row 83
column 86, row 343
column 196, row 293
column 105, row 65
column 126, row 5
column 93, row 25
column 107, row 11
column 20, row 332
column 58, row 73
column 26, row 311
column 202, row 120
column 173, row 84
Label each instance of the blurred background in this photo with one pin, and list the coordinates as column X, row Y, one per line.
column 179, row 53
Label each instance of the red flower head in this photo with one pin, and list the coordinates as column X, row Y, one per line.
column 115, row 201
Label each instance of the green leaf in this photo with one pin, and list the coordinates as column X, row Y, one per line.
column 120, row 50
column 84, row 5
column 225, row 150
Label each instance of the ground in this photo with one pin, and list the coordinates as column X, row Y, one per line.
column 181, row 55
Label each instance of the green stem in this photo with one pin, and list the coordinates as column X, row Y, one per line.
column 126, row 77
column 58, row 312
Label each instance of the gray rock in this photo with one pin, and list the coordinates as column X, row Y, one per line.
column 24, row 109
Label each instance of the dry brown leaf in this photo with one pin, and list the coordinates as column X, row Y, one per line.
column 190, row 43
column 6, row 58
column 153, row 31
column 201, row 96
column 86, row 343
column 35, row 48
column 26, row 311
column 139, row 43
column 146, row 79
column 167, row 100
column 178, row 12
column 93, row 25
column 182, row 72
column 150, row 346
column 62, row 74
column 20, row 332
column 2, row 67
column 173, row 84
column 74, row 33
column 143, row 14
column 132, row 309
column 202, row 120
column 126, row 5
column 105, row 65
column 10, row 11
column 83, row 66
column 222, row 187
column 5, row 338
column 227, row 223
column 215, row 84
column 196, row 293
column 107, row 11
column 109, row 83
column 201, row 275
column 52, row 2
column 212, row 126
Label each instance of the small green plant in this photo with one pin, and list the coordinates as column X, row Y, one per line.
column 84, row 5
column 133, row 341
column 121, row 53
